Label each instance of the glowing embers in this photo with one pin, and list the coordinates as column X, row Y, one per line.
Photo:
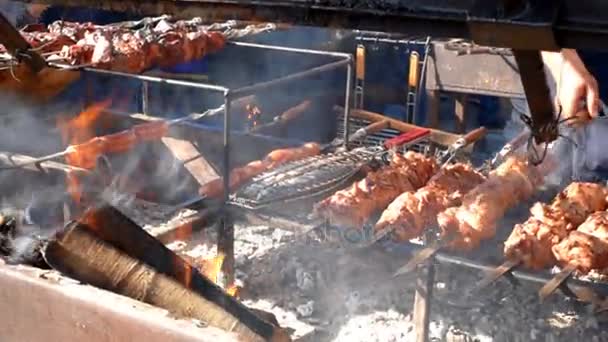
column 254, row 114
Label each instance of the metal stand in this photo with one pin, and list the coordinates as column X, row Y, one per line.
column 422, row 301
column 226, row 228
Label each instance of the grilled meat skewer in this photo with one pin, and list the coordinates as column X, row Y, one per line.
column 353, row 206
column 532, row 241
column 239, row 176
column 410, row 213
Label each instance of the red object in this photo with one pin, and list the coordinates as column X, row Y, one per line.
column 407, row 137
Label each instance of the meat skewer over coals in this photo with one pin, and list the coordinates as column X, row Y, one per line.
column 353, row 206
column 531, row 242
column 475, row 220
column 410, row 213
column 586, row 248
column 85, row 154
column 465, row 226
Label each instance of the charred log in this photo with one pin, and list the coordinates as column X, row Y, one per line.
column 125, row 236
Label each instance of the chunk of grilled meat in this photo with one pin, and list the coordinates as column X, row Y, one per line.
column 475, row 220
column 121, row 48
column 354, row 206
column 532, row 241
column 410, row 213
column 587, row 247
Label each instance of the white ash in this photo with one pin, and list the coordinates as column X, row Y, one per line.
column 324, row 291
column 153, row 217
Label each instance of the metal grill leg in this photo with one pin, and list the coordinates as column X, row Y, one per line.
column 225, row 242
column 422, row 300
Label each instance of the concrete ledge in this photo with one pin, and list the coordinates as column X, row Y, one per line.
column 45, row 306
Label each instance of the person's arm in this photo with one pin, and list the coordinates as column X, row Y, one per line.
column 574, row 84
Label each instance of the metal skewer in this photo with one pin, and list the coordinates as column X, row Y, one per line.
column 190, row 117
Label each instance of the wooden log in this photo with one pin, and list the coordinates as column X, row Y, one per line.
column 111, row 226
column 77, row 252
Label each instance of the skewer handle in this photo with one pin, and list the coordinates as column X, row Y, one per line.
column 407, row 137
column 474, row 135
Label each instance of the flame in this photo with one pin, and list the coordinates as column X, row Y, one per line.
column 75, row 131
column 74, row 187
column 253, row 115
column 212, row 269
column 80, row 128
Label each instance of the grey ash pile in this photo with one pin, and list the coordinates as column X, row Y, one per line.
column 325, row 291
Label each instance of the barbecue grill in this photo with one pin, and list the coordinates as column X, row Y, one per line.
column 568, row 29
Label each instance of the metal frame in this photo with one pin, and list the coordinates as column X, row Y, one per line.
column 226, row 230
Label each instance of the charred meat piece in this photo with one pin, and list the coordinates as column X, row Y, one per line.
column 475, row 220
column 354, row 206
column 532, row 241
column 410, row 213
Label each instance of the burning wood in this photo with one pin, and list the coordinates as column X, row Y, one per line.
column 129, row 261
column 79, row 254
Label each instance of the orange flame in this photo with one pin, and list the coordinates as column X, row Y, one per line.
column 80, row 128
column 212, row 269
column 75, row 131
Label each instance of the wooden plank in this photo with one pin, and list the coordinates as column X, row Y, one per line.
column 194, row 161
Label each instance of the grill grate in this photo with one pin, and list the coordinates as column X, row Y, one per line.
column 423, row 146
column 309, row 177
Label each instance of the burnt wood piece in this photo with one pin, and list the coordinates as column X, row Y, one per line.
column 77, row 252
column 111, row 226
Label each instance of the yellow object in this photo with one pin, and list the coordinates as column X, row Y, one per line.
column 414, row 69
column 360, row 67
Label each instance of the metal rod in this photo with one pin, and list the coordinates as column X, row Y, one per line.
column 144, row 98
column 349, row 87
column 148, row 78
column 390, row 41
column 422, row 81
column 422, row 301
column 248, row 90
column 226, row 228
column 290, row 49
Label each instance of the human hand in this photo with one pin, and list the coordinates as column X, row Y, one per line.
column 577, row 90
